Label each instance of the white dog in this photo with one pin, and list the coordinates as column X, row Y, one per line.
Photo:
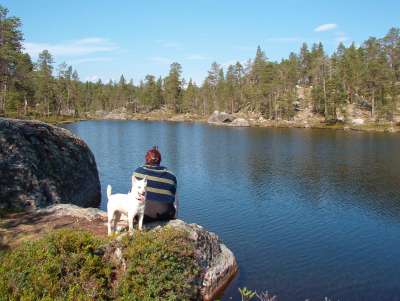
column 130, row 204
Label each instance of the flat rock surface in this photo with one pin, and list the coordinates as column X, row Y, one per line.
column 41, row 164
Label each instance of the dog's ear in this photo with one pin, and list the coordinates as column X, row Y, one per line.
column 133, row 179
column 145, row 179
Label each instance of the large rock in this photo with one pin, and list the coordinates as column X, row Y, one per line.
column 240, row 122
column 217, row 262
column 220, row 118
column 41, row 164
column 357, row 121
column 356, row 114
column 117, row 114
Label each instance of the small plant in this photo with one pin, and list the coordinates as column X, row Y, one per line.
column 61, row 266
column 265, row 296
column 246, row 294
column 161, row 266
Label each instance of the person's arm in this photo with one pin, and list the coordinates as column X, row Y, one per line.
column 176, row 204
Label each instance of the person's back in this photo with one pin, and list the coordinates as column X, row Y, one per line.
column 161, row 188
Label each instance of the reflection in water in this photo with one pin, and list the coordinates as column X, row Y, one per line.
column 308, row 213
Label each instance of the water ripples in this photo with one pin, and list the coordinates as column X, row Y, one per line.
column 308, row 213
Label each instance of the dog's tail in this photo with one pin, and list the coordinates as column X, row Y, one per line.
column 108, row 191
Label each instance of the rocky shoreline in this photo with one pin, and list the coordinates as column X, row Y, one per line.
column 306, row 120
column 249, row 120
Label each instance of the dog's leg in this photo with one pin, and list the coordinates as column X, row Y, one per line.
column 117, row 218
column 130, row 222
column 141, row 215
column 109, row 221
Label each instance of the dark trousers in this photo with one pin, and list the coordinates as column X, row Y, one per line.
column 158, row 211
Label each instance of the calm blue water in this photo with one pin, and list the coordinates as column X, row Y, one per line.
column 308, row 213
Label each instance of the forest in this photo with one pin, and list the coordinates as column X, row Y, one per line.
column 367, row 75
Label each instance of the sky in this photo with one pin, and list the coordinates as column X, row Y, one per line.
column 104, row 39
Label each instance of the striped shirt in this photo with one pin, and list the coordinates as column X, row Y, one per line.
column 161, row 183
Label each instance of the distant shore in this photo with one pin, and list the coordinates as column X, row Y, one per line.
column 189, row 117
column 266, row 123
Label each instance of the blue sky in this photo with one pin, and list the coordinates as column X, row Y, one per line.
column 104, row 39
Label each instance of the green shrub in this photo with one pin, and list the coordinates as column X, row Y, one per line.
column 65, row 265
column 161, row 266
column 60, row 266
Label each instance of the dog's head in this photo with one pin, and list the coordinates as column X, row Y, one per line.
column 139, row 187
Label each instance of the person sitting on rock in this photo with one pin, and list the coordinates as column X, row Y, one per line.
column 161, row 200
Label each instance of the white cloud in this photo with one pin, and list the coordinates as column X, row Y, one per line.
column 93, row 40
column 170, row 44
column 89, row 60
column 160, row 60
column 79, row 47
column 325, row 27
column 196, row 57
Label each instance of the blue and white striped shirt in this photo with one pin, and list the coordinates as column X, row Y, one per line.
column 161, row 183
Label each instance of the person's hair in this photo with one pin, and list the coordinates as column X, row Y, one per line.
column 153, row 156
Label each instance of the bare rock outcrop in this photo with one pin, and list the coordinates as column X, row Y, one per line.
column 218, row 262
column 356, row 115
column 240, row 122
column 41, row 164
column 220, row 118
column 117, row 114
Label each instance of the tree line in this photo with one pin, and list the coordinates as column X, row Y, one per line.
column 367, row 75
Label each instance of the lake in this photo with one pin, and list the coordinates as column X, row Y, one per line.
column 308, row 213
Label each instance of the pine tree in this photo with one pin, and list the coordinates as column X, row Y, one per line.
column 190, row 98
column 376, row 74
column 173, row 87
column 210, row 86
column 44, row 82
column 10, row 51
column 305, row 65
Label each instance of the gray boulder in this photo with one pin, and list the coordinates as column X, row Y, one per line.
column 218, row 262
column 41, row 164
column 240, row 122
column 220, row 118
